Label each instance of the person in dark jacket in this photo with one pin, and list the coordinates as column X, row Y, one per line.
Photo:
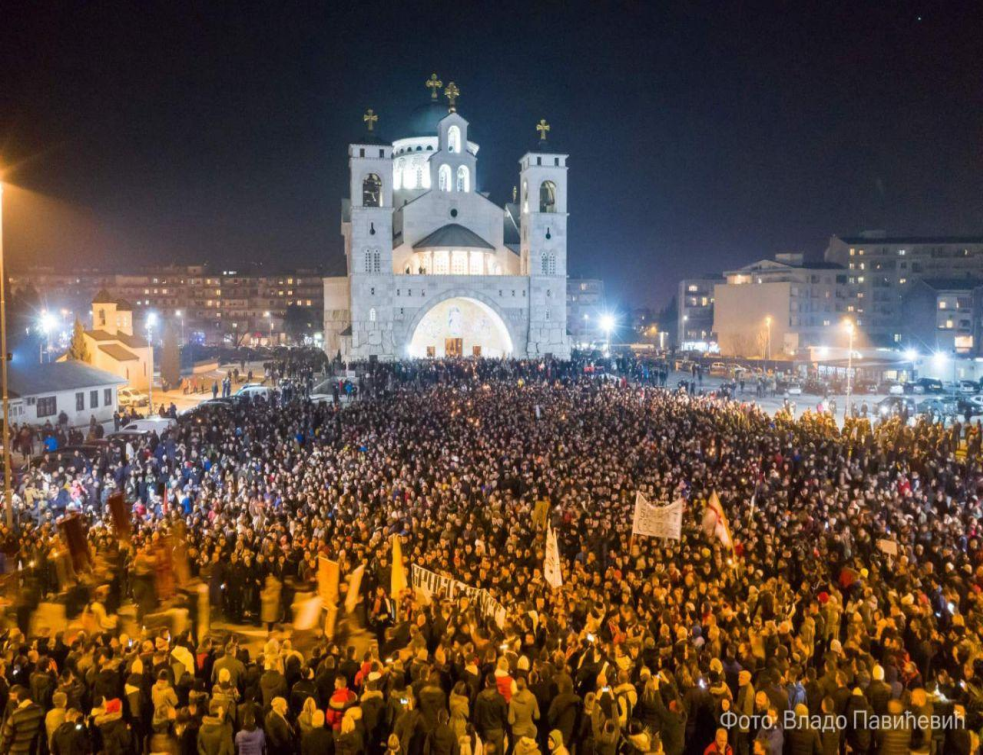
column 672, row 720
column 319, row 740
column 802, row 739
column 491, row 714
column 71, row 738
column 896, row 738
column 564, row 710
column 279, row 732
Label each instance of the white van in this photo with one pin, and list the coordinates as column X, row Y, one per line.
column 254, row 390
column 149, row 425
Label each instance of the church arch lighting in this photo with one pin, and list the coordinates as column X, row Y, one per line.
column 444, row 178
column 460, row 325
column 463, row 178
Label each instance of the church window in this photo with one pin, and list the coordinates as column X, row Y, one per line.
column 444, row 178
column 525, row 197
column 476, row 260
column 440, row 263
column 547, row 197
column 459, row 263
column 454, row 139
column 419, row 178
column 539, row 161
column 546, row 264
column 463, row 178
column 547, row 315
column 372, row 314
column 372, row 191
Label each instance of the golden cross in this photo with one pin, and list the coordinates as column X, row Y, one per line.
column 452, row 93
column 370, row 117
column 433, row 84
column 543, row 128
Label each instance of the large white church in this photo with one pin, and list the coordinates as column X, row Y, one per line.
column 435, row 268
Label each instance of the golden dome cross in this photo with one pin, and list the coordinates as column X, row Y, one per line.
column 370, row 118
column 452, row 93
column 543, row 128
column 433, row 84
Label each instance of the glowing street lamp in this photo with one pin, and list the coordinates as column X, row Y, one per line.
column 46, row 323
column 269, row 316
column 607, row 323
column 180, row 316
column 150, row 322
column 768, row 326
column 850, row 328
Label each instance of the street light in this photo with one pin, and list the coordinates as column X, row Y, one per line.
column 768, row 326
column 269, row 316
column 46, row 324
column 8, row 493
column 180, row 316
column 607, row 325
column 848, row 325
column 151, row 321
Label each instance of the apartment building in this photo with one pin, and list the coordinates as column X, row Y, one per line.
column 882, row 269
column 775, row 308
column 694, row 305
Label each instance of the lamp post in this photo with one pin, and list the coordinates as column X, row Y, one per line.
column 180, row 316
column 151, row 321
column 849, row 366
column 269, row 316
column 8, row 493
column 607, row 325
column 768, row 326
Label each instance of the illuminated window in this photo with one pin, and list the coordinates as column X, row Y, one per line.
column 372, row 314
column 942, row 305
column 444, row 178
column 463, row 179
column 454, row 139
column 459, row 265
column 476, row 260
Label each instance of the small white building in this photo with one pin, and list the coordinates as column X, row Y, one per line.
column 40, row 392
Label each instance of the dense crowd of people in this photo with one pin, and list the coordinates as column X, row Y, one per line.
column 842, row 614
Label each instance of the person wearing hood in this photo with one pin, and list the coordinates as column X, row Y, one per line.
column 564, row 710
column 526, row 746
column 113, row 730
column 215, row 734
column 523, row 711
column 555, row 743
column 163, row 693
column 272, row 684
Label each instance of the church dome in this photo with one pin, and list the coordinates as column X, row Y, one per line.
column 424, row 118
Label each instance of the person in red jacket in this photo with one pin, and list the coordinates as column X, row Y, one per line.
column 719, row 745
column 341, row 700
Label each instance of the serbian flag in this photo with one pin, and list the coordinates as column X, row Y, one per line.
column 715, row 522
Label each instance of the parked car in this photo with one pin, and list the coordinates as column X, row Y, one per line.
column 893, row 405
column 718, row 368
column 815, row 387
column 794, row 388
column 938, row 408
column 925, row 385
column 146, row 426
column 128, row 397
column 968, row 387
column 891, row 388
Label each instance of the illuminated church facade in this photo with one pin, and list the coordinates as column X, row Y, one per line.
column 434, row 267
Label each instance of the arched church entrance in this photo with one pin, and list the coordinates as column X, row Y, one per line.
column 460, row 327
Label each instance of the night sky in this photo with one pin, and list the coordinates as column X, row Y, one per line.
column 702, row 135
